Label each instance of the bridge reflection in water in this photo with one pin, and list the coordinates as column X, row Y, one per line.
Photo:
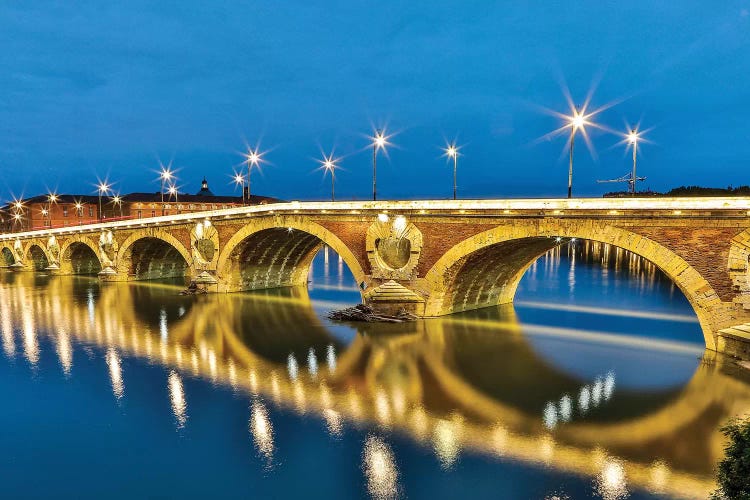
column 476, row 383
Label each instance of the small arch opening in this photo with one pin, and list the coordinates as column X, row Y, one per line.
column 80, row 258
column 7, row 257
column 37, row 258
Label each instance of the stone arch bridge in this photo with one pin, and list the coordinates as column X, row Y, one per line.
column 429, row 257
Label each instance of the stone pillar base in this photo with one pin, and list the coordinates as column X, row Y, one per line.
column 108, row 274
column 391, row 298
column 734, row 341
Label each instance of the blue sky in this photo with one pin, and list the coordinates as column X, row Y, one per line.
column 89, row 89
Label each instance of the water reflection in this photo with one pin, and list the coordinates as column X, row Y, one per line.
column 64, row 350
column 477, row 383
column 261, row 430
column 115, row 373
column 177, row 398
column 380, row 468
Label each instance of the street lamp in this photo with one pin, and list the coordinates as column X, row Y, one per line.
column 79, row 211
column 165, row 175
column 451, row 152
column 172, row 192
column 328, row 164
column 632, row 139
column 117, row 200
column 577, row 121
column 102, row 188
column 253, row 159
column 18, row 216
column 239, row 179
column 51, row 199
column 379, row 141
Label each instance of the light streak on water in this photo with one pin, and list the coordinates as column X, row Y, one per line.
column 658, row 477
column 593, row 336
column 611, row 483
column 549, row 416
column 596, row 391
column 380, row 469
column 566, row 408
column 445, row 440
column 261, row 430
column 177, row 398
column 584, row 399
column 64, row 351
column 609, row 385
column 292, row 367
column 163, row 328
column 115, row 373
column 312, row 363
column 340, row 271
column 9, row 343
column 500, row 439
column 334, row 422
column 331, row 358
column 91, row 306
column 607, row 311
column 30, row 342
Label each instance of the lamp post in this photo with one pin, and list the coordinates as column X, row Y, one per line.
column 172, row 192
column 328, row 164
column 117, row 200
column 18, row 216
column 379, row 141
column 103, row 189
column 51, row 199
column 239, row 179
column 578, row 120
column 79, row 211
column 632, row 138
column 165, row 175
column 451, row 152
column 253, row 159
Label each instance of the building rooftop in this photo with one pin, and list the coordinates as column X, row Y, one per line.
column 203, row 196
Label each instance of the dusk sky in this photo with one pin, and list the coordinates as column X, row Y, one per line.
column 89, row 90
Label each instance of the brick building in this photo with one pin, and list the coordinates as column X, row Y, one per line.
column 70, row 210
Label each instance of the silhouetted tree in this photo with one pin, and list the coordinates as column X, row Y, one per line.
column 733, row 474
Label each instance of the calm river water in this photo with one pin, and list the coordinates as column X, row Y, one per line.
column 595, row 384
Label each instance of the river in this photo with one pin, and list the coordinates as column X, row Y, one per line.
column 594, row 384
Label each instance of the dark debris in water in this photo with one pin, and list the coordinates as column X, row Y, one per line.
column 362, row 312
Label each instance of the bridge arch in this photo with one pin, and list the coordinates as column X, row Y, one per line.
column 485, row 269
column 153, row 254
column 277, row 252
column 37, row 256
column 79, row 255
column 7, row 258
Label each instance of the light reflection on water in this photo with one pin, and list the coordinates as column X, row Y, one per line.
column 562, row 392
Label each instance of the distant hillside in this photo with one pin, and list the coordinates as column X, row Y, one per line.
column 687, row 191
